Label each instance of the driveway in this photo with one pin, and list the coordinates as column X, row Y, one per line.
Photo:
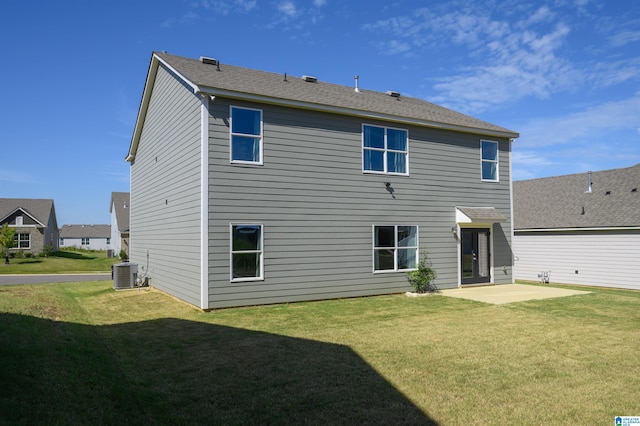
column 52, row 278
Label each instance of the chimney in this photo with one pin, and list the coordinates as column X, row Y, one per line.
column 590, row 187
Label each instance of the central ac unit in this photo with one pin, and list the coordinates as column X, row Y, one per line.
column 125, row 275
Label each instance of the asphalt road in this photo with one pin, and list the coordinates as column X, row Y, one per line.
column 54, row 278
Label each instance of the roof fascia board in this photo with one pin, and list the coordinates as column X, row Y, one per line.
column 353, row 112
column 609, row 228
column 146, row 98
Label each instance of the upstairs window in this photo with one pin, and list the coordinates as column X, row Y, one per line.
column 385, row 150
column 246, row 252
column 246, row 135
column 489, row 154
column 395, row 248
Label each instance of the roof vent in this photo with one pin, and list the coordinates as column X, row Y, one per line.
column 590, row 184
column 309, row 78
column 208, row 61
column 634, row 189
column 393, row 93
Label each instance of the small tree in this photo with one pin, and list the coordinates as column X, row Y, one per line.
column 7, row 241
column 422, row 278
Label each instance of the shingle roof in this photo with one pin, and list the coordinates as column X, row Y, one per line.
column 234, row 80
column 40, row 209
column 86, row 231
column 562, row 201
column 120, row 201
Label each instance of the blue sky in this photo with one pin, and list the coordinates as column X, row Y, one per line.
column 565, row 74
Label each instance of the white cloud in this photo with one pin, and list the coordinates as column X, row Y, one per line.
column 319, row 3
column 600, row 119
column 394, row 47
column 288, row 9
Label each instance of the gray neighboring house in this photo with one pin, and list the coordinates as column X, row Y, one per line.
column 119, row 211
column 250, row 187
column 34, row 221
column 584, row 228
column 89, row 237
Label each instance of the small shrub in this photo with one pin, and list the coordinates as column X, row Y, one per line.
column 18, row 254
column 422, row 278
column 123, row 254
column 46, row 250
column 28, row 255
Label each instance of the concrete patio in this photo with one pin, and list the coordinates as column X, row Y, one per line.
column 509, row 293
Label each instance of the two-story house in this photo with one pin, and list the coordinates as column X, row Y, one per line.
column 250, row 187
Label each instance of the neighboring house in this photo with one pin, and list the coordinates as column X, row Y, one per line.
column 584, row 228
column 119, row 210
column 89, row 237
column 249, row 187
column 34, row 222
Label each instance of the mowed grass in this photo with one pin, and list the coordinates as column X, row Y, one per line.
column 81, row 353
column 60, row 262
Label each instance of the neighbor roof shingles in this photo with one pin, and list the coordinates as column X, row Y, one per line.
column 558, row 202
column 86, row 231
column 40, row 209
column 324, row 95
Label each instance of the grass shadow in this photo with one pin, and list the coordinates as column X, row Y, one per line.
column 25, row 261
column 173, row 371
column 71, row 255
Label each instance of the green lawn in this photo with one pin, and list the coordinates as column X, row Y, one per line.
column 60, row 262
column 81, row 353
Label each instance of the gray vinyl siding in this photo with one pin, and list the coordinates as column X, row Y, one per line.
column 165, row 191
column 318, row 207
column 601, row 258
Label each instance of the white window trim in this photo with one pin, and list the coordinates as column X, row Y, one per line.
column 261, row 251
column 18, row 241
column 260, row 161
column 497, row 161
column 385, row 150
column 395, row 249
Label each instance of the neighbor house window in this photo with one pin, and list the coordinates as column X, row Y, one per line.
column 395, row 247
column 23, row 241
column 246, row 135
column 108, row 240
column 246, row 252
column 85, row 241
column 385, row 150
column 61, row 241
column 489, row 153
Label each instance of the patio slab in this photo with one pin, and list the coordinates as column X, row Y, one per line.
column 509, row 293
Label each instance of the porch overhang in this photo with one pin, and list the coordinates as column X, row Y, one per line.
column 469, row 215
